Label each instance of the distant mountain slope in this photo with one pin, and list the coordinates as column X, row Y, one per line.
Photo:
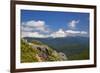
column 36, row 51
column 71, row 46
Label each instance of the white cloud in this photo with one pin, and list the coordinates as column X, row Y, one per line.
column 26, row 29
column 73, row 23
column 83, row 32
column 38, row 28
column 59, row 33
column 62, row 33
column 76, row 33
column 33, row 34
column 34, row 25
column 72, row 32
column 33, row 28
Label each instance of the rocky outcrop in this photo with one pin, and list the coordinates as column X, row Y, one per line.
column 63, row 56
column 41, row 53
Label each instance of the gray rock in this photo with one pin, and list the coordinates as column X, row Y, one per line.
column 63, row 56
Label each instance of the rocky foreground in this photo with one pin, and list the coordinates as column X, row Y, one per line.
column 36, row 51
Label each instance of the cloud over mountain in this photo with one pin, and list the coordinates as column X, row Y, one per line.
column 59, row 33
column 39, row 29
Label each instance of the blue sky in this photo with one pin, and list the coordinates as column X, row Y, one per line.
column 52, row 23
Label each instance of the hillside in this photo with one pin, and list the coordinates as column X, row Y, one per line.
column 76, row 48
column 36, row 51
